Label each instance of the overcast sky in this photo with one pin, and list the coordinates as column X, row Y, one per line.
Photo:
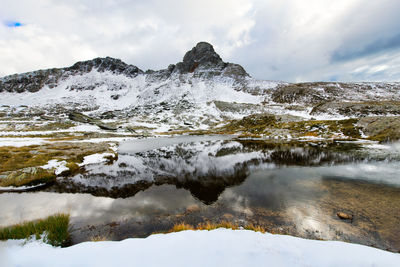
column 291, row 40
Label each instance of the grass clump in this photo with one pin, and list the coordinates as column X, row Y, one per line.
column 54, row 227
column 255, row 228
column 98, row 238
column 212, row 226
column 181, row 227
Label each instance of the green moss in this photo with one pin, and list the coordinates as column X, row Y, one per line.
column 55, row 227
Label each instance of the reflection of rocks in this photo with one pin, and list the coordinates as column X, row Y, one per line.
column 205, row 169
column 125, row 191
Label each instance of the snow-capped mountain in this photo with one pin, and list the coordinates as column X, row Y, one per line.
column 202, row 89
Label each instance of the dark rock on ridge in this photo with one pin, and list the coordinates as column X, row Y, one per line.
column 34, row 81
column 202, row 61
column 113, row 65
column 201, row 56
column 205, row 62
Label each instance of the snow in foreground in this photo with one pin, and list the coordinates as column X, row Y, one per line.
column 220, row 247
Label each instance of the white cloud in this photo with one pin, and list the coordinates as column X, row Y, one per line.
column 293, row 40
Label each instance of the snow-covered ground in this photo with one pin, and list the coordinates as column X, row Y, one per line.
column 221, row 247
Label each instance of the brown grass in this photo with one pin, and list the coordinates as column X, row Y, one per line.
column 181, row 227
column 15, row 158
column 212, row 226
column 98, row 238
column 255, row 228
column 13, row 161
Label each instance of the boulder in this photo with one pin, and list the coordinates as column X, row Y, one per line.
column 79, row 117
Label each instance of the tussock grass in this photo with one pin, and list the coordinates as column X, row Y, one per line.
column 181, row 227
column 54, row 227
column 255, row 228
column 98, row 238
column 212, row 226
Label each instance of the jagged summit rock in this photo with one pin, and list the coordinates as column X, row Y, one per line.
column 203, row 61
column 202, row 55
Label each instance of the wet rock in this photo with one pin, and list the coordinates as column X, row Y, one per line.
column 344, row 216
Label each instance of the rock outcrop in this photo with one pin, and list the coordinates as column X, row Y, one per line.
column 36, row 80
column 201, row 56
column 79, row 117
column 202, row 61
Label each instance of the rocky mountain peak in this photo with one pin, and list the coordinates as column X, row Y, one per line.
column 202, row 61
column 202, row 55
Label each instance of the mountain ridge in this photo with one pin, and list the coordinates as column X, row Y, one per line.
column 201, row 60
column 200, row 91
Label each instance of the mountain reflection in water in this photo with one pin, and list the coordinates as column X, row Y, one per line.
column 205, row 168
column 293, row 188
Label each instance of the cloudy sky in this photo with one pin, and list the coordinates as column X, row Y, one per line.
column 291, row 40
